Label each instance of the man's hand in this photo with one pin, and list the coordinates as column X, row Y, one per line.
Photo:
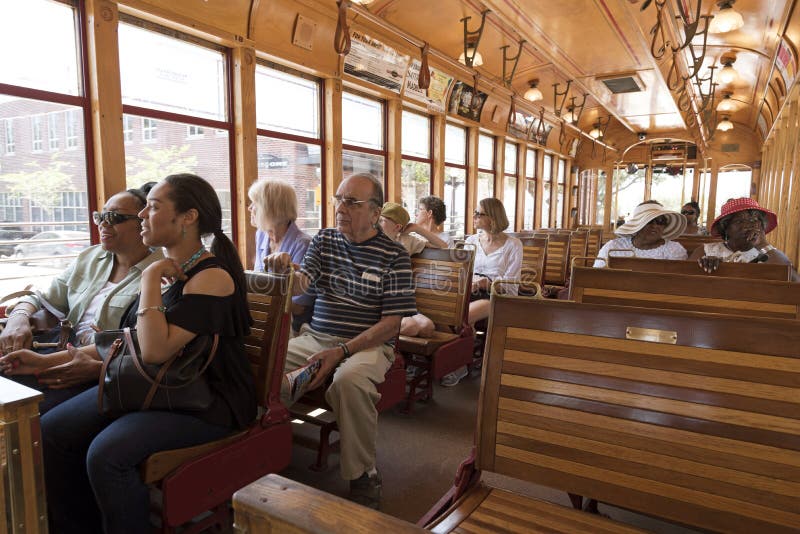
column 709, row 263
column 330, row 358
column 24, row 362
column 16, row 335
column 80, row 370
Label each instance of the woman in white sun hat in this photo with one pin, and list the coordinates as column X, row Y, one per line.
column 647, row 234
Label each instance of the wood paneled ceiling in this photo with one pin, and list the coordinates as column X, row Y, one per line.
column 585, row 40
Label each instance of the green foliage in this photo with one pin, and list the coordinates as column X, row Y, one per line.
column 42, row 186
column 157, row 163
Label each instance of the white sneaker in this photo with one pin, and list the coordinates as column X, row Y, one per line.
column 451, row 379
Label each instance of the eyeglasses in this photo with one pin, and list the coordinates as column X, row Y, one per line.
column 111, row 217
column 477, row 213
column 661, row 220
column 687, row 212
column 347, row 201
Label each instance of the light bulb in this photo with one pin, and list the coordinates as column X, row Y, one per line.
column 725, row 125
column 726, row 104
column 728, row 74
column 595, row 133
column 477, row 59
column 533, row 94
column 570, row 116
column 727, row 20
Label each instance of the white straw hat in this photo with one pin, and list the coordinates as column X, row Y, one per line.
column 644, row 213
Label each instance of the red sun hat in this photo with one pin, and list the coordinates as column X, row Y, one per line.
column 736, row 205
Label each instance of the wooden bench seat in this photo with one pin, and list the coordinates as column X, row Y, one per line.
column 683, row 416
column 763, row 271
column 443, row 280
column 763, row 298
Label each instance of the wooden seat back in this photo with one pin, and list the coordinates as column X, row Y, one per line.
column 578, row 246
column 269, row 300
column 763, row 271
column 594, row 242
column 443, row 280
column 758, row 298
column 534, row 251
column 689, row 417
column 557, row 259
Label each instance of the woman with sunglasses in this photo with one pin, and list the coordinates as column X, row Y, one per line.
column 92, row 294
column 691, row 210
column 497, row 256
column 647, row 234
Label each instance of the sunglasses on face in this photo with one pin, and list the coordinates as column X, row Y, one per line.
column 477, row 213
column 111, row 217
column 687, row 212
column 661, row 220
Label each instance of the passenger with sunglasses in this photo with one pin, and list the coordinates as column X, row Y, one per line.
column 691, row 210
column 647, row 234
column 92, row 294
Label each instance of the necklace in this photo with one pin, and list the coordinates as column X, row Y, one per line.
column 185, row 266
column 188, row 264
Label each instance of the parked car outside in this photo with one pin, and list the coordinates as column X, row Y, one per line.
column 10, row 233
column 44, row 245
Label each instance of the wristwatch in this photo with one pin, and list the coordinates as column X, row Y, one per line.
column 345, row 351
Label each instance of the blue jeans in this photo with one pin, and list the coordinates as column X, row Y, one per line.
column 91, row 463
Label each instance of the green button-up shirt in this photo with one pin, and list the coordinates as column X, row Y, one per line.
column 73, row 290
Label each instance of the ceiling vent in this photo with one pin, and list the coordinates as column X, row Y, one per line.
column 623, row 83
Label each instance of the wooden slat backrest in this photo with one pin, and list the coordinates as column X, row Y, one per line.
column 763, row 271
column 556, row 261
column 578, row 245
column 705, row 432
column 443, row 279
column 533, row 257
column 593, row 242
column 521, row 235
column 268, row 299
column 757, row 298
column 691, row 242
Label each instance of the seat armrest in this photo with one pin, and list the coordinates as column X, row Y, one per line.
column 276, row 504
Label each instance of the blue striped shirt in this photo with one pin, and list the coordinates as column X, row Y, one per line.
column 356, row 284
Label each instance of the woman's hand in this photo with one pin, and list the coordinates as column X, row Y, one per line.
column 481, row 283
column 16, row 335
column 167, row 270
column 278, row 263
column 82, row 368
column 709, row 263
column 24, row 362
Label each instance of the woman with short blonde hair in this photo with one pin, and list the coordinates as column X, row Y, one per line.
column 496, row 213
column 273, row 210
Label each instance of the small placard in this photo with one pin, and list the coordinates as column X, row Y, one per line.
column 651, row 334
column 304, row 30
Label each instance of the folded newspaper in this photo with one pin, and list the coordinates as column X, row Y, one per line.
column 297, row 381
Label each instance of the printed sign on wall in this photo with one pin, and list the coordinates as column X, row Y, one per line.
column 373, row 61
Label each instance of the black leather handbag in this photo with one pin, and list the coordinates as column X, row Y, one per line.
column 128, row 384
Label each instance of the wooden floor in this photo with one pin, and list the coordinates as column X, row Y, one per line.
column 418, row 456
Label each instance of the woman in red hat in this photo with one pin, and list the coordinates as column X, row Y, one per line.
column 743, row 226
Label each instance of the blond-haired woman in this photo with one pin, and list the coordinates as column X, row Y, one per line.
column 497, row 255
column 273, row 211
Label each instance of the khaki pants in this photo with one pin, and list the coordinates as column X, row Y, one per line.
column 352, row 395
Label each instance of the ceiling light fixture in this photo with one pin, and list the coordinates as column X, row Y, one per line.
column 728, row 74
column 726, row 105
column 533, row 94
column 727, row 20
column 724, row 125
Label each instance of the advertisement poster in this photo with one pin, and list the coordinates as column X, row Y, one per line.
column 786, row 63
column 540, row 133
column 466, row 102
column 435, row 95
column 520, row 125
column 373, row 61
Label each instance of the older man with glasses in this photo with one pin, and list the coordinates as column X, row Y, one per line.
column 91, row 294
column 363, row 287
column 648, row 233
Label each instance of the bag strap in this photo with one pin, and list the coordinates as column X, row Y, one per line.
column 17, row 294
column 155, row 383
column 112, row 352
